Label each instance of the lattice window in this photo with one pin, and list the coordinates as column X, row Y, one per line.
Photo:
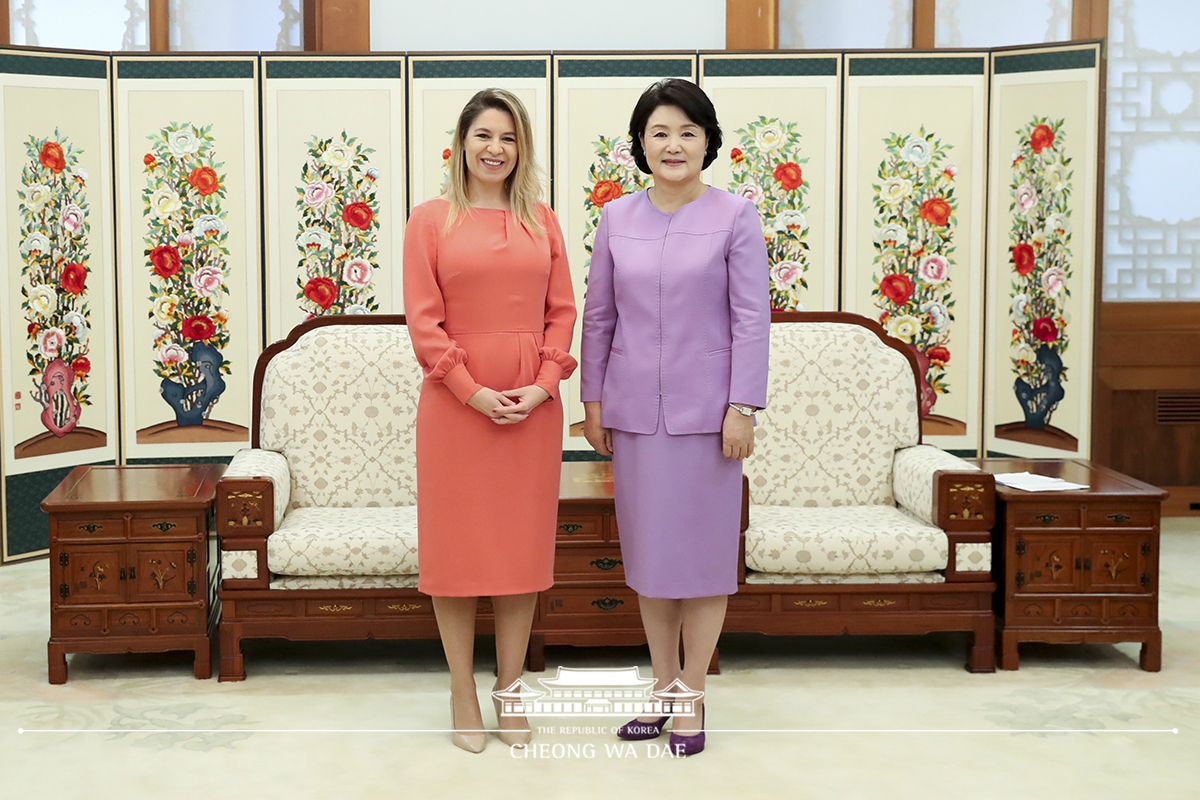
column 1152, row 208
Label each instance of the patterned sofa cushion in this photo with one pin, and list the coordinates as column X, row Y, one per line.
column 341, row 404
column 840, row 402
column 345, row 541
column 853, row 540
column 347, row 582
column 883, row 579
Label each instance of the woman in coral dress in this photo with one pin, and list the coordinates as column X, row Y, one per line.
column 490, row 310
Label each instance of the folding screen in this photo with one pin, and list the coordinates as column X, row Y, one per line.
column 439, row 87
column 915, row 177
column 57, row 345
column 594, row 95
column 779, row 117
column 188, row 243
column 334, row 194
column 1045, row 123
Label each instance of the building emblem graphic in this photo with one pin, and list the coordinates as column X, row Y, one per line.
column 596, row 692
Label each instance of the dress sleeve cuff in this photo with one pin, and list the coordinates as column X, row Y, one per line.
column 460, row 382
column 548, row 377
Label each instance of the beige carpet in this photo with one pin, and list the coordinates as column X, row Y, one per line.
column 867, row 717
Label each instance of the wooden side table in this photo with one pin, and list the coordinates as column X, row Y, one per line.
column 128, row 562
column 1076, row 566
column 589, row 603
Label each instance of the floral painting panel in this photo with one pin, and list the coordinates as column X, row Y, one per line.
column 1042, row 282
column 189, row 248
column 58, row 354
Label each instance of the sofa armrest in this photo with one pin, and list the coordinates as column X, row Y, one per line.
column 257, row 463
column 252, row 497
column 943, row 490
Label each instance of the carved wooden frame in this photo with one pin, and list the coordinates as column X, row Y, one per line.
column 962, row 603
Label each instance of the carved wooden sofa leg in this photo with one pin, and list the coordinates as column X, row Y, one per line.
column 981, row 653
column 536, row 659
column 232, row 668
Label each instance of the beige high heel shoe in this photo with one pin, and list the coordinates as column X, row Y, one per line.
column 471, row 742
column 518, row 738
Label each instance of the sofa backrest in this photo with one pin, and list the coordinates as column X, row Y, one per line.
column 341, row 405
column 840, row 402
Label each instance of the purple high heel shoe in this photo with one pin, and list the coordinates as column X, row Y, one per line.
column 636, row 731
column 688, row 745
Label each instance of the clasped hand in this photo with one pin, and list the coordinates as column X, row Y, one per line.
column 510, row 406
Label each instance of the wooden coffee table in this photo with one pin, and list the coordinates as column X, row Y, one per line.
column 128, row 562
column 1076, row 566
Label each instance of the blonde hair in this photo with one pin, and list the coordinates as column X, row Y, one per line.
column 524, row 183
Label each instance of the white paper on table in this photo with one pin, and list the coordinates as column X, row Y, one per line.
column 1036, row 483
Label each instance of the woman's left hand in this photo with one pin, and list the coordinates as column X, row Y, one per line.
column 737, row 435
column 528, row 398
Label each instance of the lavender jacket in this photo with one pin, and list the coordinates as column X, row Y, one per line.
column 678, row 312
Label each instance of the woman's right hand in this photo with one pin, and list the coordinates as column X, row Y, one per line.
column 490, row 403
column 599, row 438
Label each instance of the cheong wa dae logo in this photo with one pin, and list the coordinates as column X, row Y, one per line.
column 617, row 692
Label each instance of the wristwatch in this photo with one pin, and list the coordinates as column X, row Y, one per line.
column 745, row 411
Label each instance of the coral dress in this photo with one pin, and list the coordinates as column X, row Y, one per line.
column 488, row 304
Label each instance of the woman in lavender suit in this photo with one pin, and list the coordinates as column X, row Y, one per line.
column 675, row 338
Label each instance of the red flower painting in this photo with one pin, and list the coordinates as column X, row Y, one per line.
column 1041, row 138
column 606, row 192
column 52, row 157
column 789, row 175
column 896, row 287
column 358, row 215
column 321, row 291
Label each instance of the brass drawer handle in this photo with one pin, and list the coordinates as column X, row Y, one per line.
column 608, row 603
column 164, row 526
column 90, row 527
column 1046, row 519
column 810, row 603
column 1120, row 519
column 336, row 608
column 570, row 527
column 606, row 563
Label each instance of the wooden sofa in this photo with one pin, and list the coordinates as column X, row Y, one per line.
column 317, row 521
column 855, row 526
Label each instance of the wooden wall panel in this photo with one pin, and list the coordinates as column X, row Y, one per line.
column 752, row 24
column 924, row 15
column 1142, row 349
column 1089, row 19
column 337, row 26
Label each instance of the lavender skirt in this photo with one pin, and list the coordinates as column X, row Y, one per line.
column 679, row 504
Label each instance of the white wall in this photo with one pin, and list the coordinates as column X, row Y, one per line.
column 461, row 25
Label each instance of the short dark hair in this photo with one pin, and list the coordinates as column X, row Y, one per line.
column 688, row 98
